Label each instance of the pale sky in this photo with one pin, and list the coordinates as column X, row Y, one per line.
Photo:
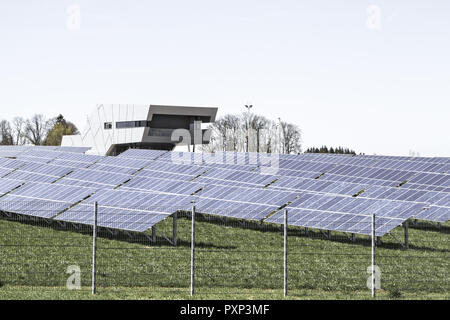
column 373, row 76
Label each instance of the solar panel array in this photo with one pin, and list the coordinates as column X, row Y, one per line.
column 139, row 188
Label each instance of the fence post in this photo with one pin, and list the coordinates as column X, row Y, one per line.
column 285, row 252
column 175, row 228
column 193, row 250
column 406, row 235
column 94, row 250
column 373, row 256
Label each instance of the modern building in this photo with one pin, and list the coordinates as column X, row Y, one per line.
column 112, row 129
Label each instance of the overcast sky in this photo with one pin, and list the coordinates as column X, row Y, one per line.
column 370, row 75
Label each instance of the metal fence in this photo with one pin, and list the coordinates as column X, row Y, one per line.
column 216, row 257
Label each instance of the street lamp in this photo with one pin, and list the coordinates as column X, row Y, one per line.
column 248, row 107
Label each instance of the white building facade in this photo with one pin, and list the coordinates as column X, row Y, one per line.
column 112, row 129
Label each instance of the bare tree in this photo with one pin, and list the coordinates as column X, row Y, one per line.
column 37, row 128
column 6, row 137
column 18, row 129
column 291, row 138
column 252, row 132
column 259, row 123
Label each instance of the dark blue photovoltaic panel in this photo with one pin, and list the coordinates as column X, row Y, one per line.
column 239, row 210
column 32, row 207
column 432, row 179
column 435, row 213
column 296, row 173
column 152, row 174
column 112, row 169
column 192, row 170
column 6, row 185
column 382, row 208
column 84, row 158
column 42, row 200
column 11, row 163
column 114, row 218
column 73, row 149
column 55, row 192
column 68, row 163
column 34, row 159
column 30, row 176
column 250, row 195
column 372, row 173
column 4, row 172
column 240, row 176
column 311, row 166
column 84, row 177
column 168, row 203
column 47, row 169
column 314, row 185
column 161, row 185
column 142, row 154
column 124, row 162
column 425, row 196
column 220, row 182
column 343, row 222
column 360, row 180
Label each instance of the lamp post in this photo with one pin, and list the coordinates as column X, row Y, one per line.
column 248, row 107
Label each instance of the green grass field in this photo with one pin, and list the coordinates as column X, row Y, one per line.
column 232, row 262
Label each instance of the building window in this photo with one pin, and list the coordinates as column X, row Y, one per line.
column 132, row 124
column 108, row 125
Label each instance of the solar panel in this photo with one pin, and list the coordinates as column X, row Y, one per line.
column 78, row 157
column 6, row 185
column 322, row 186
column 161, row 202
column 114, row 218
column 360, row 180
column 11, row 163
column 124, row 162
column 34, row 159
column 221, row 182
column 73, row 149
column 191, row 170
column 42, row 200
column 250, row 195
column 435, row 213
column 239, row 210
column 161, row 185
column 433, row 179
column 70, row 194
column 343, row 222
column 151, row 174
column 112, row 169
column 425, row 196
column 239, row 176
column 372, row 173
column 94, row 178
column 30, row 176
column 342, row 204
column 68, row 163
column 32, row 207
column 142, row 154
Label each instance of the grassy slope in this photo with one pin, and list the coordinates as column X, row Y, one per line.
column 232, row 262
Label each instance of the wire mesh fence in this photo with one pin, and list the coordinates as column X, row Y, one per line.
column 229, row 258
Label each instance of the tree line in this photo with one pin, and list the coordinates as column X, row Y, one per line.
column 250, row 132
column 325, row 149
column 36, row 130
